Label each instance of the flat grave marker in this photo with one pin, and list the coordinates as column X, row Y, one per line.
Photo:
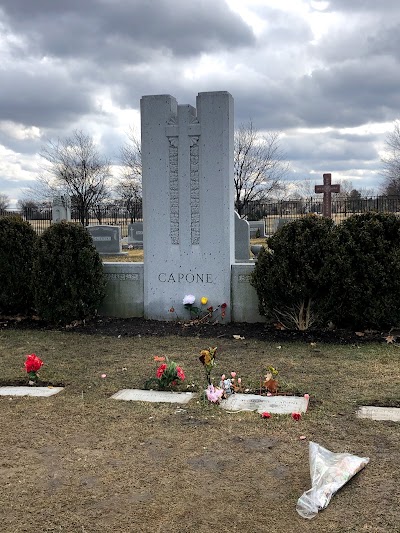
column 379, row 413
column 281, row 405
column 154, row 396
column 30, row 391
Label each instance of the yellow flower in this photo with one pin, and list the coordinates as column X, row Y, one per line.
column 204, row 300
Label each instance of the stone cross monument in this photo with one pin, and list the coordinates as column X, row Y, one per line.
column 188, row 203
column 327, row 189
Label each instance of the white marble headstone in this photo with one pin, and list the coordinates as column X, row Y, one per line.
column 188, row 202
column 379, row 413
column 155, row 396
column 271, row 404
column 30, row 391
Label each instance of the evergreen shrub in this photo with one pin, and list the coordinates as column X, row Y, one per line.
column 68, row 273
column 287, row 275
column 17, row 241
column 362, row 274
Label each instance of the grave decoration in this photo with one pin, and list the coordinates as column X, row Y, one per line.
column 168, row 374
column 207, row 359
column 200, row 315
column 32, row 366
column 329, row 472
column 230, row 385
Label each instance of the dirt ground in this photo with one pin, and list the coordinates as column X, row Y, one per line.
column 79, row 462
column 132, row 327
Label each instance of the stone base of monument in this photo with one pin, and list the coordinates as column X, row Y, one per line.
column 155, row 396
column 372, row 412
column 280, row 405
column 30, row 391
column 113, row 254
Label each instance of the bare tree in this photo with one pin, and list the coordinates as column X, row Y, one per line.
column 4, row 202
column 391, row 162
column 76, row 167
column 259, row 165
column 129, row 185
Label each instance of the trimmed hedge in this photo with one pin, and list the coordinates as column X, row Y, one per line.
column 362, row 276
column 287, row 276
column 17, row 242
column 348, row 274
column 68, row 272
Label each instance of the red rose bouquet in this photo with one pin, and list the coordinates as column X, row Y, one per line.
column 32, row 365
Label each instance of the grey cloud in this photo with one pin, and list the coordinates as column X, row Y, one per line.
column 41, row 97
column 114, row 30
column 378, row 6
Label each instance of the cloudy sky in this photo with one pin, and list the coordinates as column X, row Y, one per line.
column 324, row 73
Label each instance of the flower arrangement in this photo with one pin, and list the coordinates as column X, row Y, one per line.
column 196, row 313
column 32, row 365
column 168, row 374
column 188, row 303
column 207, row 359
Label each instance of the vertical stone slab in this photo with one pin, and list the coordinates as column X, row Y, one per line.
column 242, row 239
column 188, row 232
column 61, row 209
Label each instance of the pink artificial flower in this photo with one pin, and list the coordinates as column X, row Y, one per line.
column 269, row 394
column 214, row 394
column 306, row 396
column 265, row 415
column 180, row 373
column 161, row 370
column 233, row 374
column 223, row 377
column 239, row 380
column 296, row 416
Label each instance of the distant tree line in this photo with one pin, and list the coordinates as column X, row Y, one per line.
column 74, row 166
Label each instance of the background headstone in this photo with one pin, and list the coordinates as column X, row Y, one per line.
column 257, row 228
column 135, row 234
column 242, row 239
column 187, row 165
column 61, row 209
column 107, row 239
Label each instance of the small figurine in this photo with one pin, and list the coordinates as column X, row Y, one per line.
column 270, row 383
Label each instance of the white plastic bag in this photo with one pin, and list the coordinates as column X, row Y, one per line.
column 329, row 472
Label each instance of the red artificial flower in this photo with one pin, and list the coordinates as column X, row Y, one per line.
column 161, row 370
column 265, row 415
column 33, row 363
column 296, row 416
column 180, row 373
column 224, row 306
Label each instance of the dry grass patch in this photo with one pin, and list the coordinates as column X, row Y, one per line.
column 81, row 462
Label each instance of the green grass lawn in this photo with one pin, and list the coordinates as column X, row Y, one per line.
column 81, row 462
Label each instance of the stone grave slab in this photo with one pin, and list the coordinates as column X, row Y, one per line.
column 106, row 239
column 155, row 396
column 135, row 234
column 30, row 391
column 242, row 239
column 281, row 405
column 379, row 413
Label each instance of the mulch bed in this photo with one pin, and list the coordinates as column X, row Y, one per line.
column 131, row 327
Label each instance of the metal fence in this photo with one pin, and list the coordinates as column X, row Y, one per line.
column 40, row 219
column 274, row 213
column 280, row 212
